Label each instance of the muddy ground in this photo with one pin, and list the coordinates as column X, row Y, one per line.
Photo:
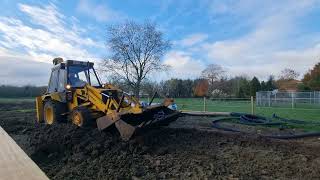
column 185, row 150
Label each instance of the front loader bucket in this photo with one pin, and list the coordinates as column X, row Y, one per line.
column 128, row 123
column 125, row 129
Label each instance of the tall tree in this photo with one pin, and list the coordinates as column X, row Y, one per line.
column 213, row 72
column 136, row 51
column 255, row 86
column 244, row 88
column 263, row 86
column 200, row 87
column 270, row 84
column 288, row 74
column 312, row 78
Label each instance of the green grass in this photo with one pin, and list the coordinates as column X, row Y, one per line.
column 13, row 100
column 305, row 112
column 302, row 112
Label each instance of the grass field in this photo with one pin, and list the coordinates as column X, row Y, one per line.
column 12, row 100
column 196, row 104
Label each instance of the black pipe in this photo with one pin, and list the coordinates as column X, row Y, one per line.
column 154, row 95
column 253, row 120
column 122, row 98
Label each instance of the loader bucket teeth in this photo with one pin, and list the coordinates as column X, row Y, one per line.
column 125, row 129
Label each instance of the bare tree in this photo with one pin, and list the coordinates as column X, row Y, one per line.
column 288, row 74
column 136, row 52
column 212, row 73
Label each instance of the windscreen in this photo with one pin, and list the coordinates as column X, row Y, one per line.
column 79, row 76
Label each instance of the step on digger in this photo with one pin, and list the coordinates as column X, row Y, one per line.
column 75, row 91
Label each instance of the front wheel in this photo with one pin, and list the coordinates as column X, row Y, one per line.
column 81, row 116
column 52, row 112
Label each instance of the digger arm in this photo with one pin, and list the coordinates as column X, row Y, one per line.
column 94, row 96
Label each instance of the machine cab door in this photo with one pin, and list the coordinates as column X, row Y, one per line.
column 57, row 81
column 53, row 83
column 57, row 84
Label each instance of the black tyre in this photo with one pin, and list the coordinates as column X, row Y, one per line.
column 81, row 116
column 52, row 111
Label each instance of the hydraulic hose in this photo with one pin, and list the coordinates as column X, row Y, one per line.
column 248, row 119
column 254, row 120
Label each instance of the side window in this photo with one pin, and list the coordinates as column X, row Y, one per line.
column 61, row 80
column 93, row 78
column 83, row 76
column 53, row 81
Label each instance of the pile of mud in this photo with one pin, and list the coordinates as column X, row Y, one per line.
column 64, row 151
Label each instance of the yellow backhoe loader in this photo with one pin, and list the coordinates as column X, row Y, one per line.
column 75, row 91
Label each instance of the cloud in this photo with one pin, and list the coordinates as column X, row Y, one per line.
column 192, row 39
column 19, row 70
column 183, row 65
column 100, row 12
column 272, row 43
column 37, row 41
column 55, row 38
column 47, row 16
column 48, row 34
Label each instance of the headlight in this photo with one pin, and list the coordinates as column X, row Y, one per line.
column 68, row 86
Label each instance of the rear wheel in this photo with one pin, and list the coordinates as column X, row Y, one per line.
column 81, row 116
column 52, row 112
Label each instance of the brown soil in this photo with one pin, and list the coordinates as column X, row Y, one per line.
column 180, row 151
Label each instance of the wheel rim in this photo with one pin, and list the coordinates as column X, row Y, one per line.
column 49, row 115
column 77, row 119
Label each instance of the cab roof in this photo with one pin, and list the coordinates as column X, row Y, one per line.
column 79, row 63
column 63, row 64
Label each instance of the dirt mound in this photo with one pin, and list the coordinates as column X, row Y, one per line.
column 67, row 152
column 64, row 151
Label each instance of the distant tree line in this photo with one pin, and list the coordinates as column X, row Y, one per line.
column 24, row 91
column 219, row 86
column 237, row 87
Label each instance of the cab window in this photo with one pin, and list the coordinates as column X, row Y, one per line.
column 53, row 81
column 79, row 76
column 62, row 80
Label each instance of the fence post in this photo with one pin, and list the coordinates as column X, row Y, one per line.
column 204, row 104
column 269, row 96
column 310, row 97
column 292, row 101
column 252, row 105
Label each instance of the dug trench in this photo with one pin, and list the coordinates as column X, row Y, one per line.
column 64, row 151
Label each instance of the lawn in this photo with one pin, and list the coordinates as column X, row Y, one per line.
column 15, row 100
column 310, row 113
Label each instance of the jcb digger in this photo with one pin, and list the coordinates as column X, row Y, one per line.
column 76, row 94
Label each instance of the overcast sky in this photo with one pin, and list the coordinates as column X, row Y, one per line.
column 249, row 37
